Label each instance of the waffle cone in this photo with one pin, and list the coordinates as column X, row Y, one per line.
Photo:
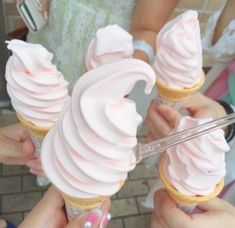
column 84, row 204
column 75, row 206
column 39, row 132
column 174, row 95
column 37, row 135
column 181, row 198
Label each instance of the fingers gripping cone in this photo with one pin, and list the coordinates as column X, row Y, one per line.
column 37, row 135
column 76, row 206
column 184, row 202
column 35, row 131
column 174, row 97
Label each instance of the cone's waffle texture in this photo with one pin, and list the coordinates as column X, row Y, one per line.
column 184, row 199
column 86, row 204
column 172, row 94
column 39, row 132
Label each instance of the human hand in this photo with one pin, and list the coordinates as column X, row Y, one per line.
column 16, row 145
column 35, row 166
column 217, row 213
column 160, row 119
column 44, row 7
column 50, row 213
column 200, row 106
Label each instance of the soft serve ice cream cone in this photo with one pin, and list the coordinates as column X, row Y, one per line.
column 111, row 43
column 185, row 202
column 75, row 206
column 193, row 171
column 37, row 90
column 89, row 152
column 178, row 62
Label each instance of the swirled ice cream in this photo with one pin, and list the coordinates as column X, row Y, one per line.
column 110, row 44
column 37, row 89
column 196, row 166
column 178, row 62
column 90, row 151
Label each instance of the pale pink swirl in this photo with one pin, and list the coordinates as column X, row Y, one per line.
column 178, row 62
column 90, row 151
column 110, row 44
column 37, row 89
column 195, row 167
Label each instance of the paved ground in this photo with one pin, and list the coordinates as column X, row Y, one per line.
column 19, row 192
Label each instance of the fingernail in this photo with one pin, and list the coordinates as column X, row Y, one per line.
column 162, row 111
column 105, row 219
column 92, row 218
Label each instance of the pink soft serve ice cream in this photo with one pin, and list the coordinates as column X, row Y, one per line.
column 178, row 62
column 196, row 166
column 89, row 152
column 37, row 89
column 110, row 44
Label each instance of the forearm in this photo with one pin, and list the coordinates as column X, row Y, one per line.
column 149, row 16
column 226, row 16
column 46, row 210
column 230, row 129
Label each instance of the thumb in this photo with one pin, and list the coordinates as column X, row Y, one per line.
column 27, row 148
column 167, row 212
column 195, row 103
column 216, row 204
column 193, row 100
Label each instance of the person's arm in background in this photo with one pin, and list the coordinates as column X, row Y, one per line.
column 149, row 16
column 217, row 213
column 16, row 147
column 226, row 16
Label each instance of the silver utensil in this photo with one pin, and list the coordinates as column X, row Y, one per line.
column 143, row 151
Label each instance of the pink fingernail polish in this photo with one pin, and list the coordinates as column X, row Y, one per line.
column 93, row 217
column 105, row 219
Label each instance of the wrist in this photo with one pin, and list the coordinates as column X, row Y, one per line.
column 230, row 131
column 144, row 47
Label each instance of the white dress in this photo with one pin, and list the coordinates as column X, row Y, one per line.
column 71, row 26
